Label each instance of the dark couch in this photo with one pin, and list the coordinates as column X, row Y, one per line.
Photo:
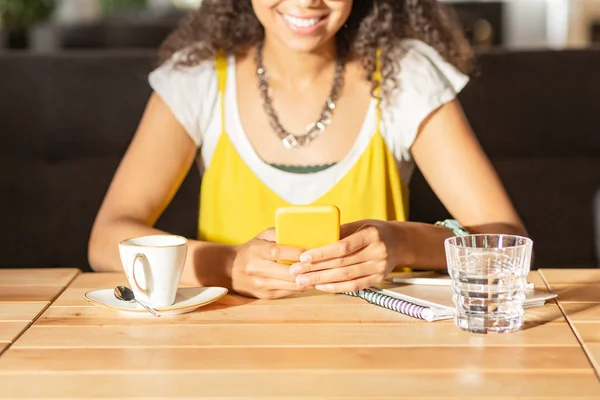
column 65, row 121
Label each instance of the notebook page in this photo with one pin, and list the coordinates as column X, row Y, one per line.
column 440, row 297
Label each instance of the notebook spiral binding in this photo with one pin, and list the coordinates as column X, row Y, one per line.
column 394, row 304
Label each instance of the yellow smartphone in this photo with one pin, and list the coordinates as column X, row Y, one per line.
column 307, row 227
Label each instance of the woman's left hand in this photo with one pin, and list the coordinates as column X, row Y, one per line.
column 363, row 257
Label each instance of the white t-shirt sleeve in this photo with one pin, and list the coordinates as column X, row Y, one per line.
column 425, row 81
column 191, row 93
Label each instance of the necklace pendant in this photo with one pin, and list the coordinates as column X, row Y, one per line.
column 290, row 142
column 305, row 141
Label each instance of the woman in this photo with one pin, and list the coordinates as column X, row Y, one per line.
column 306, row 102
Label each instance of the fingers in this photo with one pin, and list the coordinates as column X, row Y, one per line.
column 349, row 286
column 276, row 252
column 269, row 269
column 350, row 244
column 335, row 275
column 263, row 285
column 345, row 261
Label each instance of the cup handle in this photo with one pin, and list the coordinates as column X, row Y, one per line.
column 131, row 272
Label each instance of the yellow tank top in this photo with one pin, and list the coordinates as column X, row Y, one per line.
column 236, row 205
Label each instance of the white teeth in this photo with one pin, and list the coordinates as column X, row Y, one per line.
column 301, row 22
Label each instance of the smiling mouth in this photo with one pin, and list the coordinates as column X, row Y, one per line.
column 302, row 22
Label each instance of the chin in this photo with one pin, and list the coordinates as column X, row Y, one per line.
column 304, row 45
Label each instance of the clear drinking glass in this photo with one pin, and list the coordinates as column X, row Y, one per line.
column 489, row 273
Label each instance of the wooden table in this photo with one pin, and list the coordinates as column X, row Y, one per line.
column 579, row 294
column 313, row 345
column 24, row 295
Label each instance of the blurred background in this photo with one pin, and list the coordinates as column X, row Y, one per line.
column 73, row 87
column 45, row 25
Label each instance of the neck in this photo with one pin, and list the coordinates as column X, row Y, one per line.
column 297, row 69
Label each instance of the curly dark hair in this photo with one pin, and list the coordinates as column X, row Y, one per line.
column 232, row 27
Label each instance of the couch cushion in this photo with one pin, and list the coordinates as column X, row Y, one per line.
column 536, row 103
column 67, row 120
column 24, row 112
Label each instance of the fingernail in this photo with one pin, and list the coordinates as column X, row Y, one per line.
column 305, row 258
column 295, row 269
column 301, row 281
column 324, row 287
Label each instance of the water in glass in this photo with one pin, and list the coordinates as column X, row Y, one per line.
column 489, row 274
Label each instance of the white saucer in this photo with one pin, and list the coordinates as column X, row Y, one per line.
column 187, row 300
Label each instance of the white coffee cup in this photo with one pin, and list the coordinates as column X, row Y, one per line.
column 153, row 265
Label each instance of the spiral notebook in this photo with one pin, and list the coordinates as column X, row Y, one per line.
column 430, row 303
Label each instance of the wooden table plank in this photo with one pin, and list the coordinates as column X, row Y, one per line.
column 37, row 277
column 217, row 313
column 588, row 332
column 356, row 384
column 314, row 398
column 593, row 350
column 579, row 293
column 537, row 359
column 322, row 398
column 21, row 311
column 10, row 330
column 291, row 335
column 29, row 293
column 589, row 335
column 579, row 299
column 570, row 276
column 582, row 312
column 24, row 294
column 98, row 280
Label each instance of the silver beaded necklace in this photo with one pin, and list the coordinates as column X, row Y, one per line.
column 314, row 130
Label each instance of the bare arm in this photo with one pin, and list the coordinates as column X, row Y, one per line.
column 460, row 174
column 462, row 177
column 152, row 170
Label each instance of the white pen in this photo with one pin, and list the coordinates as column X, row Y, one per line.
column 435, row 281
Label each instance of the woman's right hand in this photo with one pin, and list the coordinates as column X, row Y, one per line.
column 256, row 271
